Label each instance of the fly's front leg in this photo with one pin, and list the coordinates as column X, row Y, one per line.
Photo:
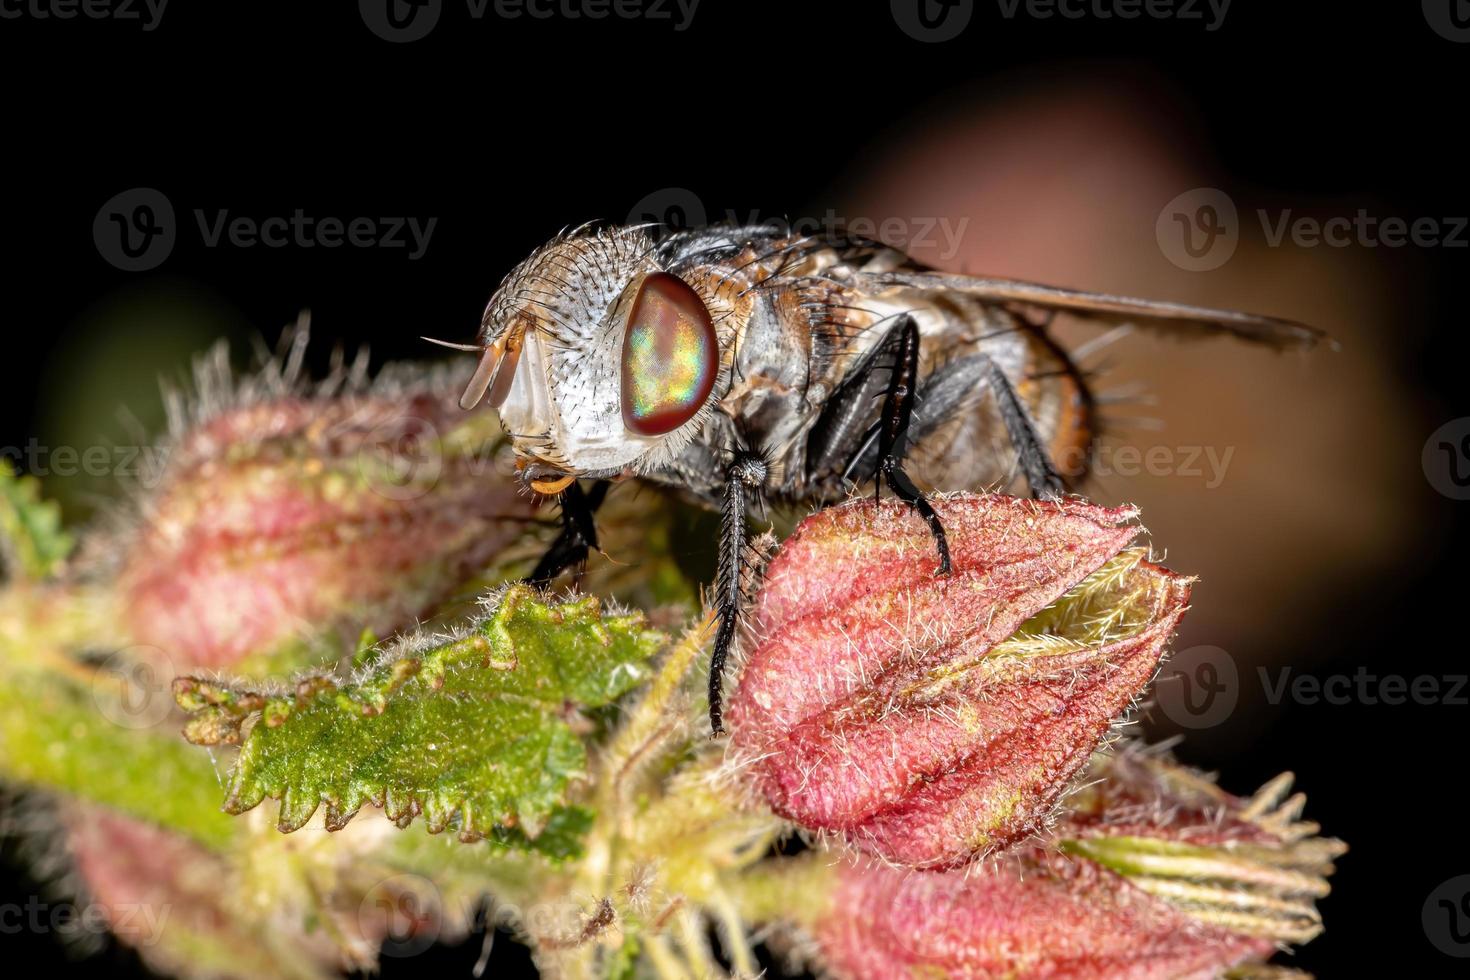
column 893, row 427
column 743, row 478
column 578, row 534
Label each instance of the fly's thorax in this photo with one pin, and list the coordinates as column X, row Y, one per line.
column 620, row 361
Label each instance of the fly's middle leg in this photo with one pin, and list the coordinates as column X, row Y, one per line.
column 893, row 427
column 743, row 478
column 578, row 535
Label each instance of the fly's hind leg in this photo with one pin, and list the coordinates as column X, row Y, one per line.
column 1041, row 473
column 893, row 427
column 578, row 535
column 743, row 478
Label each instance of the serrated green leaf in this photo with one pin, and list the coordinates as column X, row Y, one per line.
column 34, row 543
column 474, row 731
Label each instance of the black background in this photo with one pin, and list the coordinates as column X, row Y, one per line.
column 508, row 130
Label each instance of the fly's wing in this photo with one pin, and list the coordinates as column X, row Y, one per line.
column 1176, row 319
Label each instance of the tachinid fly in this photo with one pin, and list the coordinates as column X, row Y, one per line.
column 744, row 363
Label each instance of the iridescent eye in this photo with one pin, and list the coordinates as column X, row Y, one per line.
column 670, row 356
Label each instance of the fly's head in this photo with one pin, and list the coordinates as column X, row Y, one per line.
column 600, row 362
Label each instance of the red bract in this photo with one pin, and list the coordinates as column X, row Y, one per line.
column 292, row 515
column 930, row 719
column 1155, row 872
column 1252, row 866
column 1049, row 918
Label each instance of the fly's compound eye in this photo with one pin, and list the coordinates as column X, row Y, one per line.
column 670, row 356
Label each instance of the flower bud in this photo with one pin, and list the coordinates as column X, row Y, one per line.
column 1182, row 881
column 169, row 898
column 929, row 719
column 287, row 515
column 308, row 910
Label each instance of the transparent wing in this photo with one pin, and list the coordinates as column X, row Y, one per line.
column 1173, row 318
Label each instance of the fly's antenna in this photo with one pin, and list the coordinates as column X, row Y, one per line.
column 470, row 348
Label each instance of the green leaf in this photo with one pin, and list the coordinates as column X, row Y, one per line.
column 474, row 731
column 33, row 541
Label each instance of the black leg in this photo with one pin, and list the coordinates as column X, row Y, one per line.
column 1041, row 474
column 949, row 390
column 893, row 428
column 840, row 439
column 743, row 478
column 578, row 533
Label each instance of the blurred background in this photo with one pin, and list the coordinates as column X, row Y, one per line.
column 1300, row 161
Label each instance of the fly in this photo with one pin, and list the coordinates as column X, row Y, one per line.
column 743, row 364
